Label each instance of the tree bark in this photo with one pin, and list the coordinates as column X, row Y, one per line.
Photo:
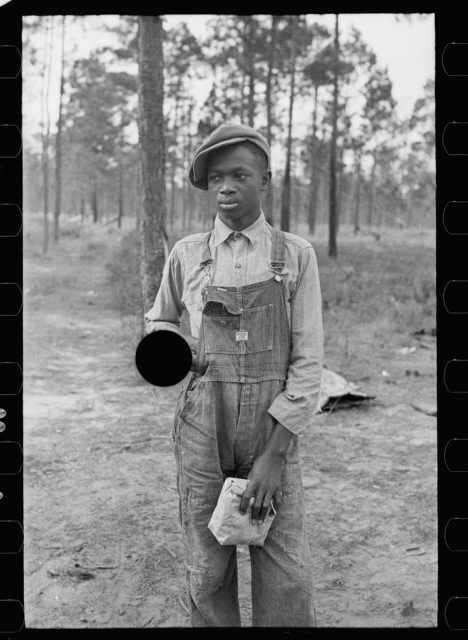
column 332, row 248
column 269, row 82
column 152, row 154
column 286, row 195
column 58, row 142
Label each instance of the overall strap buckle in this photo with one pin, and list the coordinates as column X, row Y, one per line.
column 277, row 251
column 277, row 266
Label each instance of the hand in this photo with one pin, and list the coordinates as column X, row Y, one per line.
column 264, row 484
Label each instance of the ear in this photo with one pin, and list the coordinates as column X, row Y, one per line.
column 266, row 179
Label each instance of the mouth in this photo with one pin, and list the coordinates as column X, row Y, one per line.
column 228, row 204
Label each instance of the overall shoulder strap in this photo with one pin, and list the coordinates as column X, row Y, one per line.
column 277, row 248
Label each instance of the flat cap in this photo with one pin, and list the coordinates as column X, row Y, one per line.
column 223, row 136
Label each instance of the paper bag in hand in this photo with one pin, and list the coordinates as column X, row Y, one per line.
column 229, row 525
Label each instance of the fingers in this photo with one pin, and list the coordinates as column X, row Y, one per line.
column 246, row 496
column 257, row 505
column 264, row 511
column 261, row 508
column 262, row 499
column 260, row 502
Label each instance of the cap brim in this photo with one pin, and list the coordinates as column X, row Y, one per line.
column 197, row 174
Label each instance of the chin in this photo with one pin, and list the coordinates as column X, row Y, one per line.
column 232, row 215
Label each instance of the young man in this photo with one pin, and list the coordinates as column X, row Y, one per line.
column 253, row 298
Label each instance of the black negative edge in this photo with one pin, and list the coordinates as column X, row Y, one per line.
column 11, row 327
column 451, row 186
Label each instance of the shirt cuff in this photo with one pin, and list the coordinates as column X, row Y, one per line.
column 158, row 325
column 293, row 412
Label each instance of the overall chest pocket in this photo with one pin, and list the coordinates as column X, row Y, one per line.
column 248, row 332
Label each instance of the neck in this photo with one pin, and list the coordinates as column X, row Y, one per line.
column 239, row 223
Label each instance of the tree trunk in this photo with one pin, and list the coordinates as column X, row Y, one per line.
column 242, row 87
column 409, row 208
column 286, row 196
column 188, row 152
column 174, row 160
column 312, row 210
column 251, row 67
column 94, row 202
column 332, row 248
column 58, row 142
column 45, row 125
column 82, row 207
column 340, row 186
column 371, row 191
column 269, row 81
column 172, row 195
column 105, row 197
column 357, row 202
column 121, row 197
column 152, row 153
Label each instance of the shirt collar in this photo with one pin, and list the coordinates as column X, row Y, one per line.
column 252, row 232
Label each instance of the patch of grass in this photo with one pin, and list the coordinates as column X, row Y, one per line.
column 396, row 283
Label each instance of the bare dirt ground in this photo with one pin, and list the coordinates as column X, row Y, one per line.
column 102, row 540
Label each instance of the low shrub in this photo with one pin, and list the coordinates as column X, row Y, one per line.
column 123, row 271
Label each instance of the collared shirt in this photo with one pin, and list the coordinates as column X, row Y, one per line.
column 241, row 258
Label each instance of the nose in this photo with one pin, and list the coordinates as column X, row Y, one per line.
column 227, row 187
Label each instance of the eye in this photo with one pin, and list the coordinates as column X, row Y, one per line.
column 213, row 178
column 241, row 176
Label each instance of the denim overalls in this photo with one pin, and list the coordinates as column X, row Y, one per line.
column 221, row 425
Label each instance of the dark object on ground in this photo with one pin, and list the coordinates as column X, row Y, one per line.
column 425, row 332
column 337, row 393
column 429, row 410
column 408, row 609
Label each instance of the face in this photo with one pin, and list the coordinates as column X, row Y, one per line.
column 236, row 179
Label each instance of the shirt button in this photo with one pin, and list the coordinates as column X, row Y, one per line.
column 237, row 234
column 237, row 265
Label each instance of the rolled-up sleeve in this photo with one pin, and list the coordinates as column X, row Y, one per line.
column 295, row 406
column 167, row 308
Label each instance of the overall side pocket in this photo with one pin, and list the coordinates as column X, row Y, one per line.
column 184, row 396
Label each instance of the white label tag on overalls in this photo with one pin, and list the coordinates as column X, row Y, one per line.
column 242, row 335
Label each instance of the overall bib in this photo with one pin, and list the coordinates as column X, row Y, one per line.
column 221, row 425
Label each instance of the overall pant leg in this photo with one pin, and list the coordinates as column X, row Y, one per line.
column 282, row 592
column 211, row 569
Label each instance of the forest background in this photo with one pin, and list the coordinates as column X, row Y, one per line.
column 113, row 108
